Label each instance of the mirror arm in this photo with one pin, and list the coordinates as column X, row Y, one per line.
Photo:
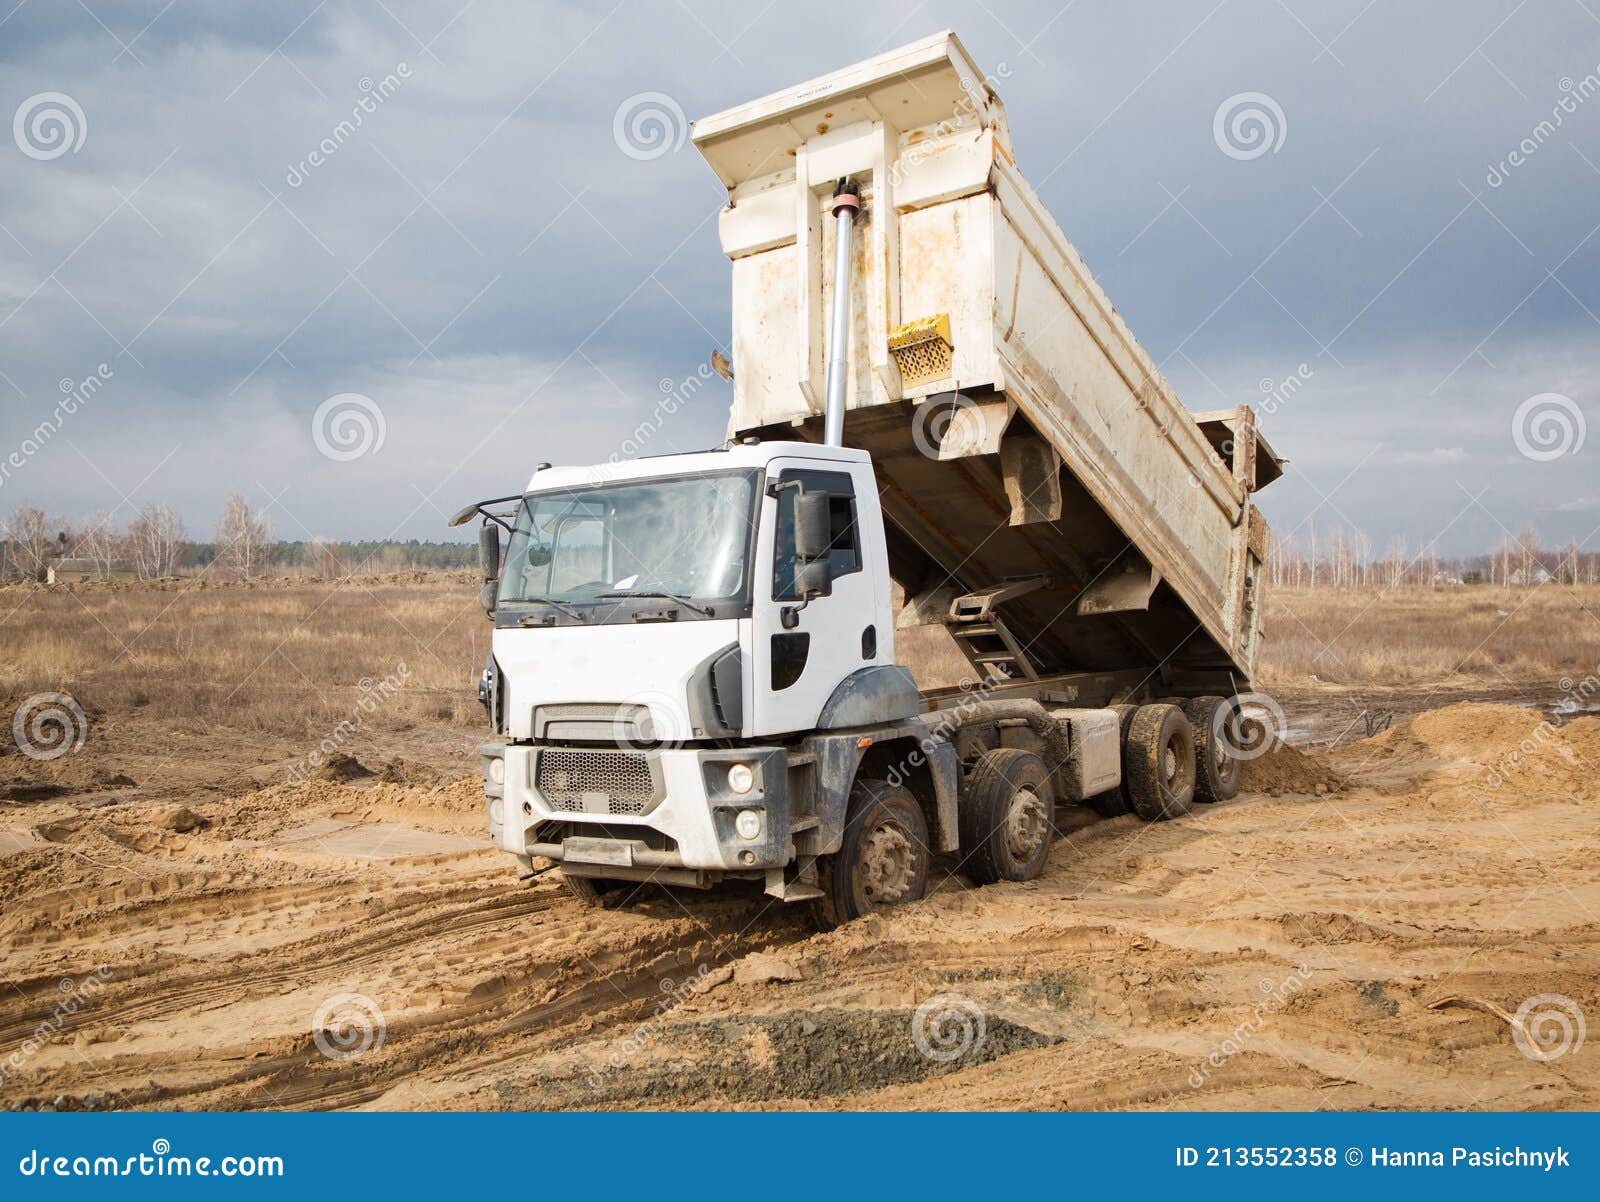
column 481, row 507
column 789, row 615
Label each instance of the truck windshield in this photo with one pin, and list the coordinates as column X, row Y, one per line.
column 685, row 536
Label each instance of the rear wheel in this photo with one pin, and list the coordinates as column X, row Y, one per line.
column 1007, row 816
column 883, row 861
column 1216, row 767
column 1159, row 762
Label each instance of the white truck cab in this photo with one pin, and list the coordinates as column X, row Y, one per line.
column 666, row 630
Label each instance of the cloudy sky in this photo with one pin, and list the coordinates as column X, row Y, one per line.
column 481, row 259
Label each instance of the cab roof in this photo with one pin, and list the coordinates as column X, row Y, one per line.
column 723, row 459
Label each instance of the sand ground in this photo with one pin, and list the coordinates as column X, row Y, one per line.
column 1359, row 929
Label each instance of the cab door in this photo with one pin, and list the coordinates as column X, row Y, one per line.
column 800, row 661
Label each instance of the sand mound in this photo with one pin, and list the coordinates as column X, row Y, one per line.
column 1506, row 742
column 401, row 771
column 1469, row 729
column 341, row 767
column 1286, row 769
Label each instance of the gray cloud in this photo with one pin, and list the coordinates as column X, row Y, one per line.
column 479, row 257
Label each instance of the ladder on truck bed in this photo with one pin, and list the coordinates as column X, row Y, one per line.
column 983, row 636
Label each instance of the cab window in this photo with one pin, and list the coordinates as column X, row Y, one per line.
column 844, row 547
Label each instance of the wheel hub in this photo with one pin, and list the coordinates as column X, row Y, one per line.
column 1025, row 825
column 888, row 863
column 1177, row 764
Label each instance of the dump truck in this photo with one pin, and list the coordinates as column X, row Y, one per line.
column 938, row 418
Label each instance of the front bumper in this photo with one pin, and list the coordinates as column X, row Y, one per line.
column 671, row 808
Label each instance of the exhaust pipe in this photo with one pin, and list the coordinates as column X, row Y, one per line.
column 846, row 202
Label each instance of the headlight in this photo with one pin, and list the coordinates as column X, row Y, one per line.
column 748, row 823
column 497, row 771
column 741, row 779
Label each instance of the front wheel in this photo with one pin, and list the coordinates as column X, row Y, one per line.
column 884, row 859
column 592, row 892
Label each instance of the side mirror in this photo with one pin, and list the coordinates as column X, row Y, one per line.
column 489, row 565
column 814, row 578
column 813, row 526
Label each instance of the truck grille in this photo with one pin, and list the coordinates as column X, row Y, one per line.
column 596, row 782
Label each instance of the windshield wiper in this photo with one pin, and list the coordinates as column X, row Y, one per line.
column 651, row 592
column 551, row 601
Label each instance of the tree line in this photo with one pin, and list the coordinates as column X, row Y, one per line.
column 154, row 543
column 1344, row 557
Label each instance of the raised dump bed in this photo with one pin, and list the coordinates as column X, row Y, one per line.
column 1050, row 499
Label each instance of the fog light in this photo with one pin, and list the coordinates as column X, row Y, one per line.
column 748, row 824
column 741, row 779
column 497, row 771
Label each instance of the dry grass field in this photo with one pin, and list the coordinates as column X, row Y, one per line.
column 1503, row 636
column 276, row 657
column 287, row 658
column 208, row 907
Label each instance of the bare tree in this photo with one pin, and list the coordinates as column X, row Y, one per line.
column 100, row 542
column 1528, row 552
column 36, row 539
column 155, row 539
column 243, row 539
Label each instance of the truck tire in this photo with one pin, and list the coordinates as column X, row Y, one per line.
column 1110, row 804
column 1007, row 817
column 1216, row 768
column 590, row 891
column 883, row 861
column 1159, row 762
